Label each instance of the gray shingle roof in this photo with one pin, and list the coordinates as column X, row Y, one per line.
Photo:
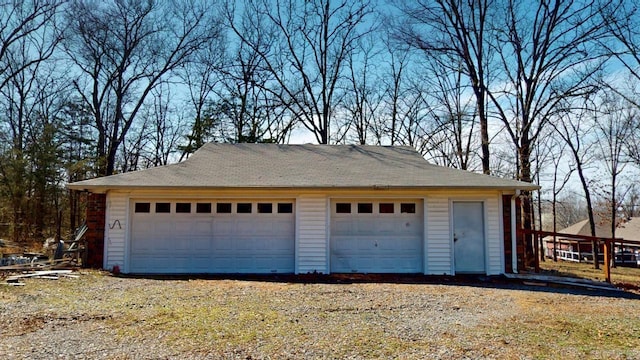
column 629, row 229
column 301, row 166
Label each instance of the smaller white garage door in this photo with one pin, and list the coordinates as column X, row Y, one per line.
column 381, row 236
column 213, row 237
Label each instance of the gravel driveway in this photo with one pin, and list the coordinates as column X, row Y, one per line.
column 105, row 317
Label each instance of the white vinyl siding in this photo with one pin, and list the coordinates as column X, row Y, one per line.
column 438, row 246
column 311, row 233
column 495, row 243
column 115, row 230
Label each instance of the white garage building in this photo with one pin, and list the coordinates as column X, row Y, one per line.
column 267, row 208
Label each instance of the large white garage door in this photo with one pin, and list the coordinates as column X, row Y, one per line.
column 212, row 237
column 381, row 236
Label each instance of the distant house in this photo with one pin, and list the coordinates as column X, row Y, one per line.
column 271, row 209
column 570, row 249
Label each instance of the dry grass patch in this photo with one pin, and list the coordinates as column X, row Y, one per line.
column 558, row 326
column 619, row 275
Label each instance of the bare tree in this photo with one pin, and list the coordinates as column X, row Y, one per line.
column 549, row 51
column 623, row 24
column 30, row 170
column 395, row 99
column 572, row 208
column 77, row 156
column 458, row 30
column 573, row 129
column 29, row 36
column 613, row 127
column 549, row 54
column 412, row 115
column 155, row 139
column 201, row 76
column 541, row 159
column 396, row 85
column 560, row 179
column 631, row 202
column 245, row 110
column 123, row 49
column 312, row 41
column 453, row 117
column 363, row 99
column 545, row 53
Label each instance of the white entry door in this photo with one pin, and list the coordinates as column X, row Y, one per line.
column 468, row 237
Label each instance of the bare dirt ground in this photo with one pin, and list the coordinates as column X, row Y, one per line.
column 98, row 316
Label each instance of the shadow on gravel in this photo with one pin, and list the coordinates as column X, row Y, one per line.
column 479, row 281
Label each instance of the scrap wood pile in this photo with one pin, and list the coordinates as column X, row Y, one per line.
column 21, row 267
column 27, row 262
column 64, row 256
column 14, row 280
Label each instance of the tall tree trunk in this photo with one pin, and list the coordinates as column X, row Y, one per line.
column 527, row 213
column 555, row 227
column 484, row 130
column 614, row 213
column 592, row 222
column 540, row 244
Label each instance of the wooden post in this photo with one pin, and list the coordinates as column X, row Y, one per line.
column 536, row 251
column 607, row 264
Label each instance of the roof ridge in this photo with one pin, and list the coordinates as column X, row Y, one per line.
column 254, row 165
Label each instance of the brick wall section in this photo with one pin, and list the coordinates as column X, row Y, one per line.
column 96, row 211
column 520, row 239
column 506, row 220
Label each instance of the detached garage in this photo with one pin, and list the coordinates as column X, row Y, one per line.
column 273, row 209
